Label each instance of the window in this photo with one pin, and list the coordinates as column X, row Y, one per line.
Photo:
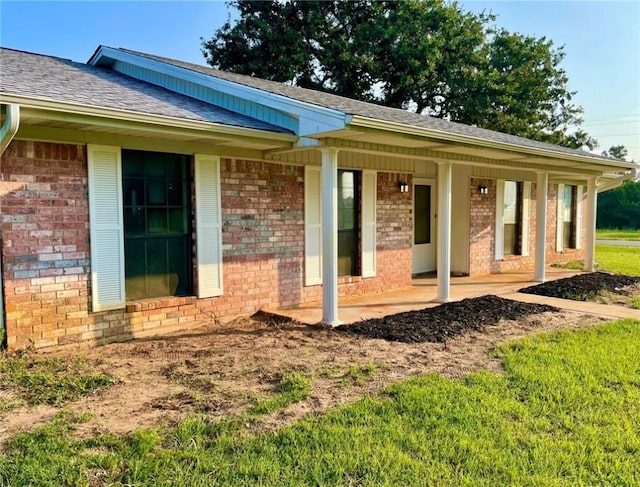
column 513, row 199
column 348, row 218
column 157, row 224
column 512, row 217
column 357, row 200
column 422, row 214
column 146, row 201
column 569, row 217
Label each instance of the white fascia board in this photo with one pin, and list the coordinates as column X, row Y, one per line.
column 313, row 119
column 132, row 116
column 358, row 121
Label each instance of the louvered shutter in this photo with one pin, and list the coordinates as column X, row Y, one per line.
column 499, row 227
column 526, row 204
column 208, row 225
column 560, row 218
column 369, row 192
column 579, row 197
column 312, row 226
column 106, row 228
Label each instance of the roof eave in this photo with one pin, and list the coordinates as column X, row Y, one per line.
column 133, row 116
column 359, row 121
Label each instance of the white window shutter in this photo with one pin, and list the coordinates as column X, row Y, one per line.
column 579, row 196
column 312, row 226
column 526, row 204
column 106, row 228
column 369, row 198
column 499, row 244
column 208, row 225
column 560, row 218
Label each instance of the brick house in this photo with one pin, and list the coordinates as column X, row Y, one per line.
column 142, row 195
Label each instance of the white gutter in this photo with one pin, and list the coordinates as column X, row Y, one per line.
column 7, row 133
column 131, row 116
column 614, row 183
column 10, row 126
column 359, row 121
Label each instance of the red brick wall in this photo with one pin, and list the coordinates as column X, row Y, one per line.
column 46, row 255
column 482, row 232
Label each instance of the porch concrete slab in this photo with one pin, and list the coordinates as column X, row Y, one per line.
column 423, row 295
column 605, row 310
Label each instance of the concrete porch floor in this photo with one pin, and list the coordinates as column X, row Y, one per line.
column 423, row 292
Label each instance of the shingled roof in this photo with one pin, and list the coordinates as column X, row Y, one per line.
column 368, row 110
column 53, row 78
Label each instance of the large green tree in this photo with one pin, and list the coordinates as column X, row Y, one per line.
column 620, row 207
column 431, row 57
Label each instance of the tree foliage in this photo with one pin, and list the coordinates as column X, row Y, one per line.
column 617, row 152
column 431, row 57
column 620, row 207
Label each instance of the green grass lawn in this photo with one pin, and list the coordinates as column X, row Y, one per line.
column 620, row 260
column 565, row 412
column 608, row 234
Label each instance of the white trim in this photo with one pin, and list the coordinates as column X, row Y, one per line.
column 208, row 225
column 360, row 121
column 579, row 202
column 132, row 116
column 592, row 209
column 524, row 227
column 312, row 226
column 329, row 173
column 542, row 184
column 313, row 118
column 368, row 222
column 444, row 232
column 106, row 227
column 560, row 218
column 499, row 223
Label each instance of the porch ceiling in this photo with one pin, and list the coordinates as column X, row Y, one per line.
column 54, row 125
column 410, row 146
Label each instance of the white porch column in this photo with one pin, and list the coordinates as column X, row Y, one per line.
column 329, row 236
column 444, row 231
column 592, row 210
column 542, row 183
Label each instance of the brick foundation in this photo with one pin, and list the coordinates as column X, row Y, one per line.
column 46, row 252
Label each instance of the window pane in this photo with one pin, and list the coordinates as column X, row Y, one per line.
column 512, row 217
column 133, row 191
column 510, row 212
column 135, row 269
column 177, row 221
column 134, row 221
column 567, row 198
column 156, row 192
column 176, row 192
column 157, row 221
column 422, row 214
column 347, row 222
column 510, row 239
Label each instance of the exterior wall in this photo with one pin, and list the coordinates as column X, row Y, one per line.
column 482, row 232
column 46, row 250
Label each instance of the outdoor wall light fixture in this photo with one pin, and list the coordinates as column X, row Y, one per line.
column 404, row 187
column 483, row 189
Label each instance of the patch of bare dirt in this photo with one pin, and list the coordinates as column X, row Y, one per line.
column 612, row 288
column 220, row 369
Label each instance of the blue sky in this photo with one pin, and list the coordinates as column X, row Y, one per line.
column 601, row 39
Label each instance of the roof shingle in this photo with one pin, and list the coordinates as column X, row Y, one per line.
column 58, row 79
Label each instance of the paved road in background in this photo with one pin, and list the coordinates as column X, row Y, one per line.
column 620, row 243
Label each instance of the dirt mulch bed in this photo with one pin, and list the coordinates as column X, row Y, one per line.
column 439, row 324
column 584, row 287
